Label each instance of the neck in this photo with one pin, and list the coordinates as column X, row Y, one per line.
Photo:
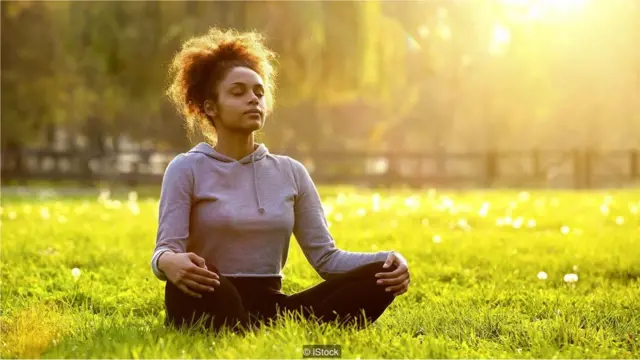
column 235, row 146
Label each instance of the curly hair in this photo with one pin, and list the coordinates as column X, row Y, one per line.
column 203, row 61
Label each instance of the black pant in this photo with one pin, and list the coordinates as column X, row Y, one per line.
column 240, row 302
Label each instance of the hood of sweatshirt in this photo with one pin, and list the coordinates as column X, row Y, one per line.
column 258, row 154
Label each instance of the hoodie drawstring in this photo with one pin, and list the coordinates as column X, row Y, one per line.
column 255, row 184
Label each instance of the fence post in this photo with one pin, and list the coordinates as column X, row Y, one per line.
column 577, row 169
column 491, row 167
column 392, row 174
column 535, row 158
column 634, row 156
column 588, row 160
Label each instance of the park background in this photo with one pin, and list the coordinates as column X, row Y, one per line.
column 531, row 106
column 434, row 93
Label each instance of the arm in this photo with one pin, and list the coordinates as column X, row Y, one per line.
column 312, row 233
column 174, row 211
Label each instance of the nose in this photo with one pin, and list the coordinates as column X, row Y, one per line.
column 253, row 99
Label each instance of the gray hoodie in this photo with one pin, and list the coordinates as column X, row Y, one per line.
column 239, row 215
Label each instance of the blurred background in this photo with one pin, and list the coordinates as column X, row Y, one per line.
column 425, row 93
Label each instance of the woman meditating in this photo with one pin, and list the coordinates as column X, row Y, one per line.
column 228, row 207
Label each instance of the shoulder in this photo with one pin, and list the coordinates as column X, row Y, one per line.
column 296, row 166
column 183, row 164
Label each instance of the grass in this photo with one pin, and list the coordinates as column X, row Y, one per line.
column 475, row 259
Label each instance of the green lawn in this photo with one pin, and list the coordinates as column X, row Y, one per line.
column 476, row 258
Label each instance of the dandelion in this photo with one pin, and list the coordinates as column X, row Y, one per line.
column 44, row 213
column 425, row 222
column 575, row 268
column 620, row 220
column 565, row 229
column 484, row 210
column 604, row 209
column 542, row 275
column 633, row 209
column 463, row 224
column 115, row 204
column 376, row 202
column 524, row 196
column 62, row 219
column 361, row 212
column 105, row 194
column 12, row 215
column 571, row 278
column 134, row 208
column 437, row 239
column 508, row 220
column 447, row 202
column 394, row 223
column 133, row 196
column 75, row 272
column 412, row 202
column 341, row 199
column 518, row 223
column 328, row 208
column 531, row 223
column 374, row 247
column 338, row 217
column 26, row 209
column 500, row 221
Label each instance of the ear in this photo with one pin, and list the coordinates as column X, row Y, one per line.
column 210, row 108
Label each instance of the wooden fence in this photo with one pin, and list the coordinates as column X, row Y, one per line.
column 579, row 169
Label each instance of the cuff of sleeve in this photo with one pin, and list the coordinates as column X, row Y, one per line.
column 382, row 255
column 154, row 264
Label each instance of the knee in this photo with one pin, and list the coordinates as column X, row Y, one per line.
column 374, row 268
column 368, row 274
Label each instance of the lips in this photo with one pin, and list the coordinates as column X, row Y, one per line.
column 254, row 111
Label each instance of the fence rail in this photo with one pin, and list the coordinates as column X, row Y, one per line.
column 579, row 169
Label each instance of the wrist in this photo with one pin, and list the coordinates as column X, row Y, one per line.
column 162, row 260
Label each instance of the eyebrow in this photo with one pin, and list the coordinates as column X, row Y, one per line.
column 243, row 83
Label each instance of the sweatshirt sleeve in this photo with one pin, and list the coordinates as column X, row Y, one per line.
column 174, row 211
column 312, row 232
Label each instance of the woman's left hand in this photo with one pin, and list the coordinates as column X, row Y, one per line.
column 397, row 280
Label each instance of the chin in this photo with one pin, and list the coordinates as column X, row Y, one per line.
column 250, row 128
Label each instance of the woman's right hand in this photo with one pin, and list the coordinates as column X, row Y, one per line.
column 188, row 272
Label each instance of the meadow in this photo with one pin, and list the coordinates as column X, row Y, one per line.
column 499, row 274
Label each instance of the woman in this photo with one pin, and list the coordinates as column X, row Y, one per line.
column 228, row 207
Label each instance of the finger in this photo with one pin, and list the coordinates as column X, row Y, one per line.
column 188, row 291
column 401, row 291
column 395, row 273
column 197, row 286
column 395, row 288
column 389, row 261
column 204, row 272
column 197, row 260
column 394, row 281
column 204, row 280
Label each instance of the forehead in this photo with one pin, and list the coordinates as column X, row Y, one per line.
column 242, row 75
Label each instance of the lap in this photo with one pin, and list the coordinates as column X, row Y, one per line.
column 363, row 275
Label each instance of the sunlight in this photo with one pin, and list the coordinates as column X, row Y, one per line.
column 500, row 40
column 563, row 6
column 538, row 10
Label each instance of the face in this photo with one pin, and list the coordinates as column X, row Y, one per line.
column 241, row 104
